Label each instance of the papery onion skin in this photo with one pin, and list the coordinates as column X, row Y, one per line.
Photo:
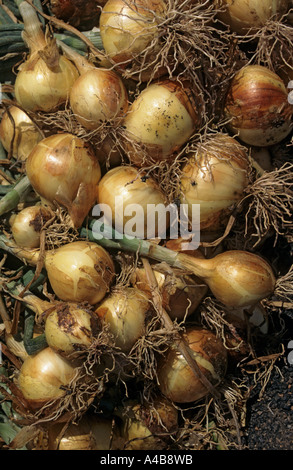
column 27, row 225
column 177, row 381
column 42, row 377
column 97, row 96
column 133, row 187
column 250, row 15
column 38, row 88
column 80, row 14
column 124, row 312
column 63, row 169
column 80, row 271
column 147, row 426
column 159, row 122
column 215, row 178
column 257, row 107
column 69, row 328
column 21, row 131
column 128, row 28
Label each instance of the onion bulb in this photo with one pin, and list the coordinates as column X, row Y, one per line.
column 181, row 294
column 147, row 426
column 130, row 195
column 124, row 314
column 27, row 224
column 176, row 379
column 18, row 133
column 98, row 95
column 250, row 15
column 129, row 29
column 64, row 170
column 90, row 433
column 44, row 376
column 80, row 271
column 257, row 107
column 45, row 78
column 69, row 327
column 159, row 122
column 214, row 177
column 236, row 278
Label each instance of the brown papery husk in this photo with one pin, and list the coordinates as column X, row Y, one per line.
column 189, row 44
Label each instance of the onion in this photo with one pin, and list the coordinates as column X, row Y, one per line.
column 124, row 313
column 127, row 191
column 18, row 133
column 159, row 122
column 177, row 381
column 80, row 271
column 45, row 78
column 27, row 224
column 250, row 15
column 80, row 14
column 237, row 278
column 129, row 28
column 215, row 178
column 98, row 95
column 90, row 433
column 257, row 107
column 148, row 426
column 43, row 376
column 63, row 169
column 69, row 327
column 181, row 294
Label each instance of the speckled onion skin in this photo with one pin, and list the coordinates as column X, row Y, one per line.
column 176, row 379
column 257, row 104
column 161, row 119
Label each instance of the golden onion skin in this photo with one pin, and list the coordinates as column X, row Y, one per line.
column 250, row 15
column 21, row 130
column 131, row 187
column 127, row 29
column 215, row 179
column 80, row 271
column 177, row 381
column 159, row 122
column 63, row 169
column 39, row 88
column 43, row 375
column 27, row 225
column 257, row 107
column 97, row 96
column 124, row 312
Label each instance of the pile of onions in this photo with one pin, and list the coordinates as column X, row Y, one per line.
column 27, row 224
column 159, row 122
column 46, row 77
column 43, row 377
column 129, row 28
column 124, row 194
column 257, row 107
column 98, row 95
column 124, row 312
column 69, row 328
column 181, row 294
column 146, row 426
column 18, row 133
column 177, row 381
column 244, row 16
column 215, row 178
column 64, row 170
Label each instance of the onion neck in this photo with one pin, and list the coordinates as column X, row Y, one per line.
column 33, row 33
column 201, row 267
column 81, row 63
